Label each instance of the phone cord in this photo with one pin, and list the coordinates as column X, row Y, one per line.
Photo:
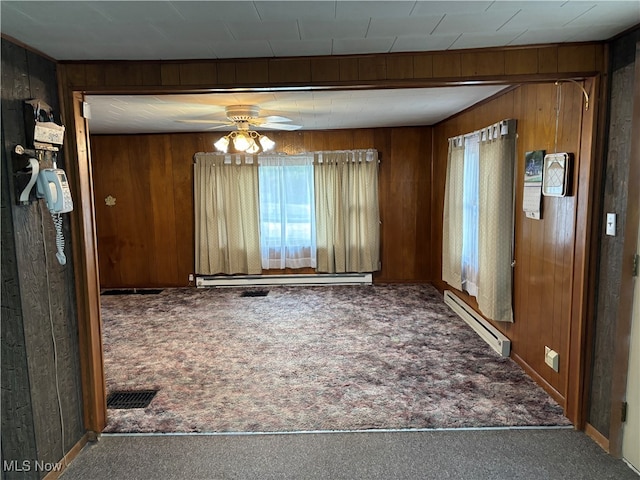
column 57, row 223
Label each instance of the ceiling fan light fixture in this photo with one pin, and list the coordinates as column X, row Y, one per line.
column 244, row 141
column 266, row 142
column 222, row 144
column 253, row 147
column 241, row 141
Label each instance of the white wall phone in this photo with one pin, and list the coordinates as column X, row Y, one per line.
column 52, row 185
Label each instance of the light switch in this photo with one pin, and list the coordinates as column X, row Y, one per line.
column 611, row 224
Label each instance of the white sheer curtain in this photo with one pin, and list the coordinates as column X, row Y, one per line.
column 477, row 231
column 287, row 212
column 470, row 214
column 347, row 211
column 227, row 231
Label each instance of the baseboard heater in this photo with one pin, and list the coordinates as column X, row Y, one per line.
column 487, row 332
column 294, row 279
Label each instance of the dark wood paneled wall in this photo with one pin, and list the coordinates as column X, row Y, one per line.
column 612, row 262
column 544, row 249
column 36, row 293
column 147, row 238
column 564, row 60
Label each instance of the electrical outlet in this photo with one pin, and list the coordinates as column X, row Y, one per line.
column 552, row 359
column 191, row 277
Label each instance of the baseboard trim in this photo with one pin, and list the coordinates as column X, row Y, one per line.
column 555, row 394
column 68, row 458
column 596, row 436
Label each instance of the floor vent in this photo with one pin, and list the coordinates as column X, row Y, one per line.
column 133, row 291
column 255, row 293
column 131, row 399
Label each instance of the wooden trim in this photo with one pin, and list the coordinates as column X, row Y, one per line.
column 596, row 436
column 583, row 268
column 341, row 85
column 142, row 77
column 455, row 67
column 625, row 305
column 69, row 457
column 555, row 394
column 85, row 262
column 91, row 325
column 596, row 229
column 508, row 48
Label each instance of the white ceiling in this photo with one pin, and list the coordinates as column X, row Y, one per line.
column 152, row 30
column 313, row 110
column 175, row 30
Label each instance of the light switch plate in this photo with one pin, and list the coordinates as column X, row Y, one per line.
column 611, row 224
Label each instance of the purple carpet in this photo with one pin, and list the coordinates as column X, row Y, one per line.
column 309, row 358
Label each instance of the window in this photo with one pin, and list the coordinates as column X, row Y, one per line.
column 470, row 200
column 478, row 217
column 256, row 213
column 287, row 213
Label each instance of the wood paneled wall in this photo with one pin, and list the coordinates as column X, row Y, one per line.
column 38, row 294
column 505, row 65
column 614, row 261
column 564, row 60
column 544, row 249
column 147, row 238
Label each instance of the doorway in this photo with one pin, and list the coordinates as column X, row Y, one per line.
column 631, row 429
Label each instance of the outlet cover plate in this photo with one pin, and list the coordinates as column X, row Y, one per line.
column 552, row 359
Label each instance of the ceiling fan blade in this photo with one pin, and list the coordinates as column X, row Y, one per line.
column 275, row 119
column 210, row 122
column 281, row 126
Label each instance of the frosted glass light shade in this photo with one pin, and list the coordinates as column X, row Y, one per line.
column 222, row 144
column 253, row 147
column 267, row 143
column 241, row 142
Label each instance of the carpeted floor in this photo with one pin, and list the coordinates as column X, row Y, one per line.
column 526, row 454
column 309, row 358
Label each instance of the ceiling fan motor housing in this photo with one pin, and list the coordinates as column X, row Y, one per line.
column 242, row 113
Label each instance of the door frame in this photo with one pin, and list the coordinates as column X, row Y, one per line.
column 85, row 238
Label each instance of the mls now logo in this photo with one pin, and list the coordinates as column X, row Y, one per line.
column 29, row 465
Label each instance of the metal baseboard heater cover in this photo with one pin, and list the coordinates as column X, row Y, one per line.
column 203, row 281
column 494, row 338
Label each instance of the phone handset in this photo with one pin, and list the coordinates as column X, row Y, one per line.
column 54, row 188
column 52, row 185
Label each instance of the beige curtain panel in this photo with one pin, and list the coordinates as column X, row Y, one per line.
column 453, row 213
column 347, row 211
column 495, row 220
column 227, row 225
column 496, row 212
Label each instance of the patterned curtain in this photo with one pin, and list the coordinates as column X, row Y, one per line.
column 452, row 233
column 227, row 227
column 496, row 222
column 347, row 211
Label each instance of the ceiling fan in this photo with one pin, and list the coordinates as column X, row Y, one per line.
column 243, row 138
column 246, row 116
